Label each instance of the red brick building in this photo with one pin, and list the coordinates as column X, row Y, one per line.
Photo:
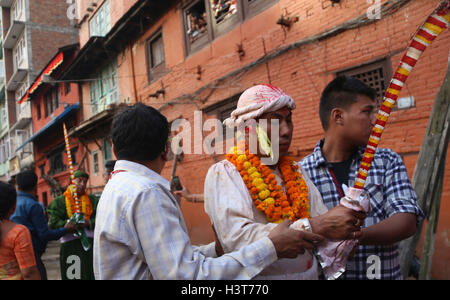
column 32, row 31
column 53, row 103
column 187, row 56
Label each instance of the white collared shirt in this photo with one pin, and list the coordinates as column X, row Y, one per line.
column 141, row 234
column 238, row 222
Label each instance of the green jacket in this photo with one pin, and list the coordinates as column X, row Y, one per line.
column 58, row 214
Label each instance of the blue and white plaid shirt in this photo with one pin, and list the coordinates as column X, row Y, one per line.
column 390, row 193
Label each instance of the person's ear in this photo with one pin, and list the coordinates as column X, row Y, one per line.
column 165, row 155
column 337, row 116
column 114, row 150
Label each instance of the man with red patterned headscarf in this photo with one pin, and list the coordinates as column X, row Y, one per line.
column 245, row 198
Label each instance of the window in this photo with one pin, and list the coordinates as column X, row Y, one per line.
column 51, row 101
column 20, row 54
column 20, row 92
column 196, row 25
column 42, row 169
column 205, row 20
column 106, row 150
column 56, row 162
column 73, row 153
column 95, row 163
column 376, row 75
column 66, row 88
column 155, row 56
column 100, row 24
column 18, row 10
column 104, row 90
column 4, row 116
column 3, row 154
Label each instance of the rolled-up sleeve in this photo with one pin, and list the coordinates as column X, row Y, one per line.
column 156, row 222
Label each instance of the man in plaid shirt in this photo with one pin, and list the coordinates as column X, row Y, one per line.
column 347, row 111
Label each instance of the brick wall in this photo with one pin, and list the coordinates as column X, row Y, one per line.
column 302, row 72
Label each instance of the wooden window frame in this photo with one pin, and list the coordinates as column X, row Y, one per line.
column 57, row 154
column 51, row 101
column 105, row 11
column 94, row 164
column 155, row 72
column 244, row 12
column 205, row 38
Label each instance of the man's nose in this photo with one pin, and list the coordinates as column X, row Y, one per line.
column 284, row 129
column 373, row 117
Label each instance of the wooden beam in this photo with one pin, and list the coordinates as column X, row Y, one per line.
column 426, row 174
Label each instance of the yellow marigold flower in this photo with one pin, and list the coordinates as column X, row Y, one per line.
column 251, row 170
column 255, row 175
column 269, row 201
column 257, row 181
column 247, row 165
column 242, row 158
column 262, row 187
column 264, row 194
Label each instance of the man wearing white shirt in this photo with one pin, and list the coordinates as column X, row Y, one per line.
column 140, row 231
column 231, row 207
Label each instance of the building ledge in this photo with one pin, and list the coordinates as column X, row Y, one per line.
column 16, row 79
column 13, row 35
column 20, row 124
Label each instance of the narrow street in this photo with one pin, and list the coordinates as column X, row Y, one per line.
column 51, row 260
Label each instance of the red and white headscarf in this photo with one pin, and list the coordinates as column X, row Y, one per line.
column 258, row 100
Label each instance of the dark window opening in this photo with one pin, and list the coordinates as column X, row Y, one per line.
column 56, row 162
column 156, row 57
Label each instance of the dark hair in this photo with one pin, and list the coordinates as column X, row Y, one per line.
column 8, row 196
column 139, row 133
column 341, row 93
column 26, row 180
column 110, row 164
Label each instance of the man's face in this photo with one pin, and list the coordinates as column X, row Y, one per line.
column 286, row 128
column 80, row 184
column 359, row 120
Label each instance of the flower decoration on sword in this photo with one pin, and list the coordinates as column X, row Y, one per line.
column 333, row 255
column 435, row 24
column 77, row 210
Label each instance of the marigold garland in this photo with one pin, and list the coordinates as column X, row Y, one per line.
column 266, row 194
column 86, row 206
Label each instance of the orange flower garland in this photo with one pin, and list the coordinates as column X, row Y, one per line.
column 86, row 206
column 266, row 194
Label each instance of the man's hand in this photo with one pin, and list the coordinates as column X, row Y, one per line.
column 87, row 224
column 339, row 223
column 289, row 243
column 70, row 227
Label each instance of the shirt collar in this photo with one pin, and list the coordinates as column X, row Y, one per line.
column 132, row 167
column 320, row 160
column 24, row 194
